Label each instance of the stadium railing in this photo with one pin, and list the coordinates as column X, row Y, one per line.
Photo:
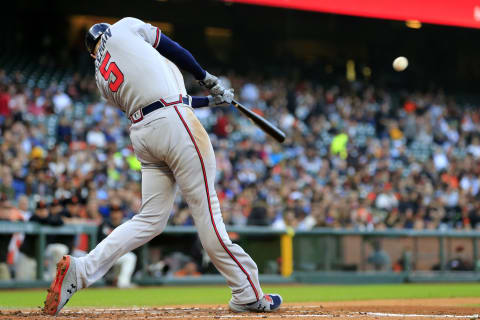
column 41, row 233
column 317, row 255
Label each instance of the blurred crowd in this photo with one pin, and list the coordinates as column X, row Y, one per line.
column 406, row 161
column 356, row 157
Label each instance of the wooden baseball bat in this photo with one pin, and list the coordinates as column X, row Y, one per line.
column 260, row 121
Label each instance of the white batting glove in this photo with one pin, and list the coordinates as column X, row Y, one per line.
column 217, row 90
column 223, row 98
column 209, row 81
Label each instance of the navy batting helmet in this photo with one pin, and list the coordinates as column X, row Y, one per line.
column 93, row 35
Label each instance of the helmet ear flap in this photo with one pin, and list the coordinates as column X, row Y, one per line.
column 94, row 34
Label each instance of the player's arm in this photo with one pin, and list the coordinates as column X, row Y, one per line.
column 170, row 50
column 200, row 102
column 185, row 60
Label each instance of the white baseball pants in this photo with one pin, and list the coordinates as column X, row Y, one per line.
column 175, row 149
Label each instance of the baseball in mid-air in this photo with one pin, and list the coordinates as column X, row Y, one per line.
column 400, row 64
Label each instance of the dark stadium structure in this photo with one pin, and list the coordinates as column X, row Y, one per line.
column 245, row 37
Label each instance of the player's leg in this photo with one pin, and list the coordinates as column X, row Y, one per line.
column 192, row 161
column 158, row 193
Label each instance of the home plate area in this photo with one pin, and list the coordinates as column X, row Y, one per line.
column 456, row 308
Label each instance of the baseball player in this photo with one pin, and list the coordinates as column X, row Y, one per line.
column 136, row 69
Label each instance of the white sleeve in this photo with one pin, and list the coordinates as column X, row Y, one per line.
column 149, row 33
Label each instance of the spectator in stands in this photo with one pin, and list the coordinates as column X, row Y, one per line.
column 4, row 240
column 57, row 245
column 286, row 220
column 96, row 137
column 474, row 216
column 23, row 206
column 459, row 262
column 258, row 215
column 188, row 270
column 125, row 266
column 6, row 187
column 61, row 101
column 379, row 258
column 182, row 217
column 181, row 265
column 26, row 264
column 63, row 212
column 4, row 103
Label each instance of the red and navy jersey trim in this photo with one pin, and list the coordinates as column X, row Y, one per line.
column 180, row 100
column 157, row 38
column 210, row 206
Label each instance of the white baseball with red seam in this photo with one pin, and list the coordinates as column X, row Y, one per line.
column 400, row 64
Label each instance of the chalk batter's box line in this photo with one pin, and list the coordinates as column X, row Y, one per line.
column 157, row 311
column 350, row 315
column 411, row 315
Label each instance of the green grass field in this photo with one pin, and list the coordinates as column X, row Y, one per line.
column 160, row 296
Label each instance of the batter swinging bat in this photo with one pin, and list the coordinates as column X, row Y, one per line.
column 263, row 123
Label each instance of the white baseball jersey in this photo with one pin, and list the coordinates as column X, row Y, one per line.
column 130, row 72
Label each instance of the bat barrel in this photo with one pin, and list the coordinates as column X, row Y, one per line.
column 261, row 122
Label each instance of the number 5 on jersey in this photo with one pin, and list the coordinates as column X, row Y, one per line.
column 112, row 68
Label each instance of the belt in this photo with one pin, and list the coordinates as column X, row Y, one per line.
column 138, row 115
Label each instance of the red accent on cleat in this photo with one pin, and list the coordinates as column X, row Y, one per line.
column 54, row 292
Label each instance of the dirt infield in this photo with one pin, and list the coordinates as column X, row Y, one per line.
column 457, row 308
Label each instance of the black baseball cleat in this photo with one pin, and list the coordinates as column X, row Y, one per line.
column 63, row 286
column 268, row 303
